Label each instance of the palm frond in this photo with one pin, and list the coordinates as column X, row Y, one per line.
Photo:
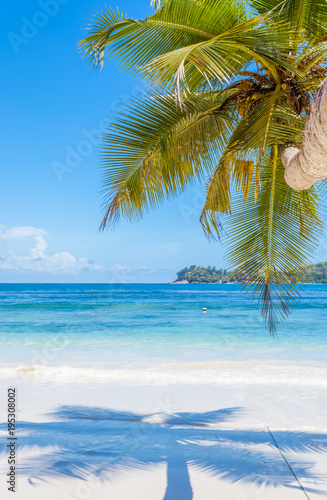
column 218, row 200
column 272, row 240
column 155, row 4
column 223, row 56
column 106, row 27
column 175, row 25
column 188, row 41
column 311, row 55
column 271, row 121
column 155, row 149
column 307, row 15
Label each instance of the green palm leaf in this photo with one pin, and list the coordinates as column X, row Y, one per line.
column 271, row 241
column 187, row 41
column 175, row 25
column 155, row 149
column 271, row 121
column 311, row 55
column 309, row 15
column 218, row 199
column 222, row 57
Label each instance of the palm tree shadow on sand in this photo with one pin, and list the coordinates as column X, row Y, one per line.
column 85, row 441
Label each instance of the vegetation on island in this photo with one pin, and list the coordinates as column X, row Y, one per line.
column 315, row 273
column 228, row 88
column 198, row 274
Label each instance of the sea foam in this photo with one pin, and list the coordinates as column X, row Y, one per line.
column 225, row 373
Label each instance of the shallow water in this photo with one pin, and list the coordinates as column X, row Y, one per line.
column 111, row 326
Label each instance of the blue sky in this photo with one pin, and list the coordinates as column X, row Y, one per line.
column 52, row 103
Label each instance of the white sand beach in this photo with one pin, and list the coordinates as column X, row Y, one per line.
column 236, row 434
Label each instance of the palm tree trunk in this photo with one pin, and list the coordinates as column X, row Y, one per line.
column 305, row 166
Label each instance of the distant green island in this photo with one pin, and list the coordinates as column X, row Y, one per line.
column 315, row 273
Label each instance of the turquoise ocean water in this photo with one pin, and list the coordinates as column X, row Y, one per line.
column 113, row 325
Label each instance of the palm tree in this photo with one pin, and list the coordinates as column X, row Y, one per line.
column 228, row 89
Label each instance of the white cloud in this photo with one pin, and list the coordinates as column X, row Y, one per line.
column 37, row 259
column 20, row 232
column 118, row 268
